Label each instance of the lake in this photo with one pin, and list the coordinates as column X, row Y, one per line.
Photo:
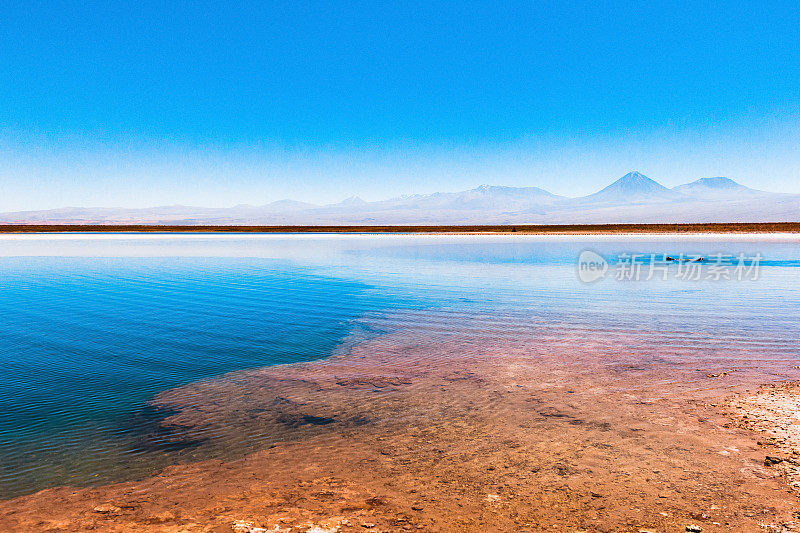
column 94, row 326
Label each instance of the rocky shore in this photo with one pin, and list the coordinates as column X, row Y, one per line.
column 773, row 411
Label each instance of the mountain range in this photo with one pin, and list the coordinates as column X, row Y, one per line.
column 633, row 198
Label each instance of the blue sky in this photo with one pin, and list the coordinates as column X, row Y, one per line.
column 217, row 104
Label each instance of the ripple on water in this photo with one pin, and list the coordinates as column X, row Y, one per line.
column 91, row 344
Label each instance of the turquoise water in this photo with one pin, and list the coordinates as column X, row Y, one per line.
column 94, row 326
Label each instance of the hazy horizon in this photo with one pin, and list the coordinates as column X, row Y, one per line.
column 406, row 196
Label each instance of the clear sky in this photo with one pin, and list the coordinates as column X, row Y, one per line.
column 153, row 103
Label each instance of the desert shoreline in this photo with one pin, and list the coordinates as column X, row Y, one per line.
column 535, row 229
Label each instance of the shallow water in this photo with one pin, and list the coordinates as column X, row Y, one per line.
column 95, row 326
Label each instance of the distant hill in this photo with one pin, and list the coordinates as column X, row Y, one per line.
column 488, row 197
column 716, row 187
column 284, row 205
column 633, row 198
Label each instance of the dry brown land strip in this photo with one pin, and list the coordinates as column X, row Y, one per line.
column 543, row 229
